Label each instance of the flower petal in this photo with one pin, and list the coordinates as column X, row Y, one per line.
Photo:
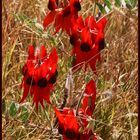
column 49, row 18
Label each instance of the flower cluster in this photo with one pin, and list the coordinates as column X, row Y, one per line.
column 40, row 71
column 63, row 15
column 70, row 124
column 87, row 40
column 86, row 36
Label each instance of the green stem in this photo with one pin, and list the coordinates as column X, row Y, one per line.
column 79, row 102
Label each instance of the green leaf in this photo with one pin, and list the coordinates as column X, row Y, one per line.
column 39, row 27
column 24, row 114
column 87, row 78
column 108, row 3
column 71, row 61
column 3, row 105
column 13, row 109
column 130, row 4
column 100, row 83
column 52, row 40
column 101, row 8
column 118, row 3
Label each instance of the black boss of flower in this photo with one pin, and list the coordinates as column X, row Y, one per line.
column 60, row 129
column 70, row 133
column 72, row 40
column 42, row 82
column 53, row 78
column 30, row 81
column 66, row 12
column 51, row 5
column 102, row 44
column 85, row 47
column 77, row 6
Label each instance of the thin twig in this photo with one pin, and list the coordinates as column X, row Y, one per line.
column 80, row 99
column 105, row 15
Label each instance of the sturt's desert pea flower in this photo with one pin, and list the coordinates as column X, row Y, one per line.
column 88, row 42
column 69, row 126
column 40, row 73
column 62, row 16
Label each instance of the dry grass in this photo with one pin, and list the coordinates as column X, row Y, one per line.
column 116, row 114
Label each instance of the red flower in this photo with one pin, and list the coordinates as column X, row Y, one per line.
column 75, row 5
column 85, row 52
column 86, row 133
column 87, row 107
column 28, row 67
column 88, row 43
column 68, row 126
column 63, row 18
column 78, row 25
column 88, row 101
column 88, row 136
column 40, row 74
column 100, row 36
column 97, row 30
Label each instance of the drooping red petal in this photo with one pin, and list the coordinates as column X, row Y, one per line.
column 53, row 59
column 66, row 26
column 90, row 88
column 86, row 37
column 43, row 52
column 67, row 110
column 31, row 50
column 64, row 19
column 88, row 101
column 41, row 94
column 88, row 105
column 99, row 37
column 83, row 118
column 70, row 117
column 59, row 115
column 49, row 18
column 79, row 24
column 27, row 89
column 31, row 67
column 58, row 22
column 90, row 22
column 101, row 24
column 94, row 55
